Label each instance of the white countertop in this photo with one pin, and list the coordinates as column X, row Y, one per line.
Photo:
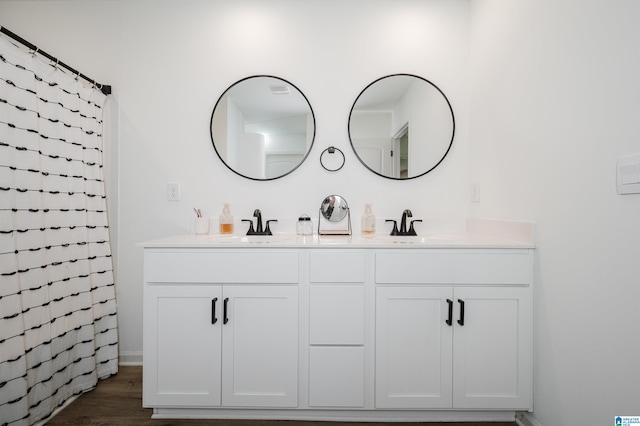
column 478, row 234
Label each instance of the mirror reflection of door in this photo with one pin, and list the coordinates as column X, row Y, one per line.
column 400, row 154
column 370, row 135
column 281, row 164
column 376, row 153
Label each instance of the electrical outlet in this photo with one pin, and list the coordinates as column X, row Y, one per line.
column 173, row 191
column 475, row 193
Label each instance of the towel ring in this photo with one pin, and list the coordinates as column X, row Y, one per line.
column 331, row 150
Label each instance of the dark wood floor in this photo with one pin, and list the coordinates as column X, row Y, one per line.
column 117, row 401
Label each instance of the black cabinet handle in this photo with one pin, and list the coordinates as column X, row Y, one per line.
column 225, row 319
column 213, row 310
column 461, row 320
column 450, row 317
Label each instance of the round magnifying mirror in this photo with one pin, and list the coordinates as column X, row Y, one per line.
column 401, row 126
column 334, row 208
column 262, row 127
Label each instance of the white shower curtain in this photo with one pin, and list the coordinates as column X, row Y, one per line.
column 58, row 327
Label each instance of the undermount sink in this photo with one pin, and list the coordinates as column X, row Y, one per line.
column 252, row 239
column 397, row 239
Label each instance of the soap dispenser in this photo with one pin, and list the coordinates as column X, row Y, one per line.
column 226, row 220
column 368, row 224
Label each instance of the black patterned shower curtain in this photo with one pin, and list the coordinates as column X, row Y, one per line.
column 58, row 326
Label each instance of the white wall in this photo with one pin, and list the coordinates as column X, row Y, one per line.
column 554, row 94
column 555, row 100
column 169, row 61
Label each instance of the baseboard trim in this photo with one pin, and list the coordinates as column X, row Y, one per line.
column 130, row 358
column 524, row 418
column 334, row 415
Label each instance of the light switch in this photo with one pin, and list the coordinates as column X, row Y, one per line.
column 628, row 175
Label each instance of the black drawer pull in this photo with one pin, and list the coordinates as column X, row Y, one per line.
column 224, row 313
column 450, row 317
column 213, row 310
column 461, row 320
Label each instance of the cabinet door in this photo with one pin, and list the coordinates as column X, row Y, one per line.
column 492, row 350
column 182, row 345
column 413, row 347
column 260, row 346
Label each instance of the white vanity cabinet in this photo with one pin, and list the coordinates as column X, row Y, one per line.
column 337, row 329
column 208, row 344
column 454, row 329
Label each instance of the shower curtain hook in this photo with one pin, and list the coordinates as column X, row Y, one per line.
column 34, row 51
column 77, row 75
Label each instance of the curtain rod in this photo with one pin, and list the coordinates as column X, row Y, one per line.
column 106, row 89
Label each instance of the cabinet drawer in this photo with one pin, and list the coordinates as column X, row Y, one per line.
column 336, row 315
column 509, row 267
column 225, row 267
column 336, row 267
column 336, row 376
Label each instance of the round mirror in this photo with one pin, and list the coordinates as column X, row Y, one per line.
column 262, row 127
column 334, row 208
column 401, row 126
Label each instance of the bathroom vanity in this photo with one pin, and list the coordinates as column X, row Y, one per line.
column 431, row 328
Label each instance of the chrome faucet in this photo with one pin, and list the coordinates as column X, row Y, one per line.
column 403, row 225
column 258, row 229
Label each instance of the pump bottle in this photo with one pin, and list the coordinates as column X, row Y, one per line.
column 368, row 223
column 226, row 220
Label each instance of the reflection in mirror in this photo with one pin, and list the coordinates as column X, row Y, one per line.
column 401, row 126
column 262, row 127
column 333, row 210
